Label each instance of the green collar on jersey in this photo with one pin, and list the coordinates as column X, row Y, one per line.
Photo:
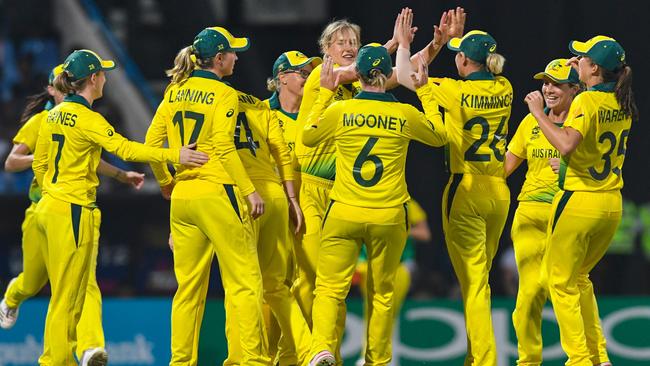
column 205, row 74
column 49, row 105
column 547, row 111
column 480, row 75
column 384, row 97
column 604, row 87
column 274, row 103
column 77, row 99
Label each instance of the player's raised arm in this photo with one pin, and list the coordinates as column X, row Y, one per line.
column 318, row 127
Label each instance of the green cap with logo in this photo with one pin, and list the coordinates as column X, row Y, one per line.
column 83, row 63
column 476, row 44
column 213, row 40
column 294, row 60
column 602, row 50
column 374, row 56
column 558, row 71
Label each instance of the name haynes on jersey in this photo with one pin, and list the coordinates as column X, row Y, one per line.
column 611, row 115
column 63, row 118
column 373, row 121
column 485, row 101
column 191, row 95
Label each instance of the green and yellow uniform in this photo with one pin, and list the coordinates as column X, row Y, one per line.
column 368, row 204
column 31, row 280
column 65, row 161
column 263, row 150
column 531, row 220
column 476, row 199
column 586, row 212
column 402, row 282
column 317, row 167
column 209, row 215
column 585, row 216
column 529, row 235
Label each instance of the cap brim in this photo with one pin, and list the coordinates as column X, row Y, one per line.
column 579, row 48
column 454, row 44
column 239, row 44
column 108, row 65
column 542, row 75
column 314, row 61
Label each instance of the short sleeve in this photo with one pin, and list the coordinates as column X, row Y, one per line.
column 578, row 117
column 517, row 145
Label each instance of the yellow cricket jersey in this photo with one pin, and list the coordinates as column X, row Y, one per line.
column 203, row 109
column 530, row 143
column 477, row 110
column 28, row 136
column 289, row 125
column 371, row 134
column 69, row 147
column 319, row 160
column 416, row 213
column 258, row 136
column 597, row 163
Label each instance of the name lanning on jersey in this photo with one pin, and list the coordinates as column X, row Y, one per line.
column 64, row 118
column 485, row 101
column 192, row 96
column 373, row 121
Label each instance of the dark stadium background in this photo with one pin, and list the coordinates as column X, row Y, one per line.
column 134, row 258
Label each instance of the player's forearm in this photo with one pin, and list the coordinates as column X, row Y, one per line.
column 512, row 163
column 289, row 189
column 432, row 113
column 311, row 134
column 18, row 162
column 109, row 170
column 561, row 138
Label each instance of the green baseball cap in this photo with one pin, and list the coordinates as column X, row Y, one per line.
column 374, row 56
column 293, row 60
column 213, row 40
column 476, row 45
column 54, row 73
column 558, row 71
column 602, row 50
column 83, row 63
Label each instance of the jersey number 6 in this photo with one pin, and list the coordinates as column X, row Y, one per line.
column 361, row 159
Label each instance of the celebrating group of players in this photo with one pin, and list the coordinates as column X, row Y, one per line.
column 286, row 191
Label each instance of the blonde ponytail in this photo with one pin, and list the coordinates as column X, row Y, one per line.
column 65, row 85
column 494, row 63
column 272, row 85
column 377, row 79
column 184, row 64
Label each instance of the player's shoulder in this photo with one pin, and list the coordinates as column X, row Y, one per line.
column 249, row 101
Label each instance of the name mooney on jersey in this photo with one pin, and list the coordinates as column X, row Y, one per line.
column 485, row 101
column 373, row 121
column 63, row 118
column 192, row 96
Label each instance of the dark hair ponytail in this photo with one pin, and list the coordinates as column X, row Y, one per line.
column 623, row 89
column 35, row 104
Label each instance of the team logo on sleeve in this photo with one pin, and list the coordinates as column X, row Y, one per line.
column 230, row 112
column 534, row 134
column 110, row 132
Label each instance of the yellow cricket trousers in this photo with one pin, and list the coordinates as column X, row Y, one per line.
column 272, row 235
column 66, row 233
column 345, row 229
column 582, row 226
column 400, row 290
column 214, row 221
column 529, row 241
column 475, row 209
column 314, row 200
